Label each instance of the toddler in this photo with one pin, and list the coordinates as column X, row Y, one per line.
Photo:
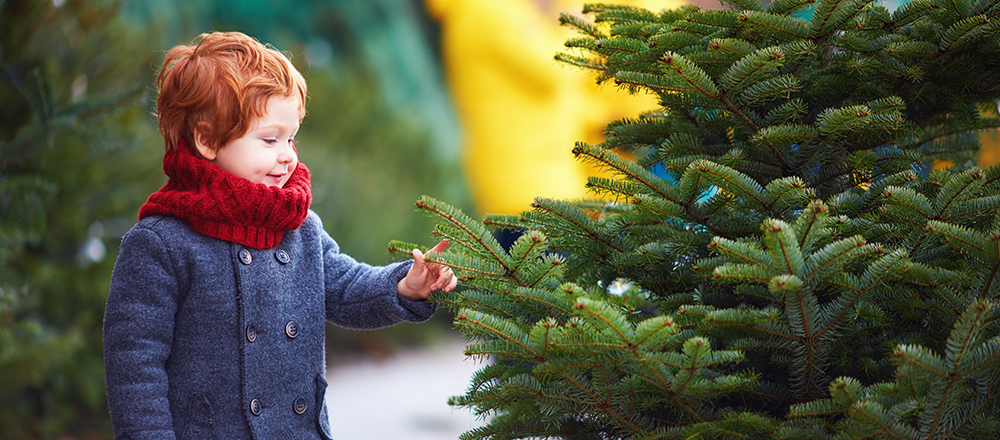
column 214, row 327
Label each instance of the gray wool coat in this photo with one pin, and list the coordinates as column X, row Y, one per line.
column 209, row 339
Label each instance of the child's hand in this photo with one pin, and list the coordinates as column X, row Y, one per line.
column 424, row 278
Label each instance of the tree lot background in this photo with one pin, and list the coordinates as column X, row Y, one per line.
column 80, row 152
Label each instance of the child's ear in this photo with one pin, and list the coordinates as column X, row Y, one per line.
column 201, row 142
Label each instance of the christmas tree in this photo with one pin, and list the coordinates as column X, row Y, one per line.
column 797, row 243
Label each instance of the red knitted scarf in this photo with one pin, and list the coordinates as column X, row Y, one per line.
column 221, row 205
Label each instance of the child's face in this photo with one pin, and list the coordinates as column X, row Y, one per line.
column 264, row 154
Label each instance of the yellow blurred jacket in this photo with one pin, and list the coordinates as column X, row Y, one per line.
column 521, row 111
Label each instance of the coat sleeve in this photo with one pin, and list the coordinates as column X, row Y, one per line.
column 360, row 296
column 138, row 332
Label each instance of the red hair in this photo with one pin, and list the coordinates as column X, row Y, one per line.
column 219, row 84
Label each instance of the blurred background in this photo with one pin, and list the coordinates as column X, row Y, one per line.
column 456, row 99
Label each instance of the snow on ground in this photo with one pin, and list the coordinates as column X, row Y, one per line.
column 402, row 397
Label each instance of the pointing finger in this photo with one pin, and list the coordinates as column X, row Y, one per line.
column 441, row 246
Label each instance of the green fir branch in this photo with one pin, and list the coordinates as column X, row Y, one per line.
column 984, row 7
column 810, row 226
column 778, row 26
column 967, row 31
column 578, row 61
column 959, row 342
column 582, row 26
column 970, row 242
column 734, row 181
column 783, row 247
column 692, row 75
column 744, row 5
column 466, row 225
column 492, row 326
column 959, row 187
column 830, row 14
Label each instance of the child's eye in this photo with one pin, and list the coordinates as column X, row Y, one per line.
column 271, row 141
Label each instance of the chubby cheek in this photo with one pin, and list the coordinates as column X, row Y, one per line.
column 291, row 169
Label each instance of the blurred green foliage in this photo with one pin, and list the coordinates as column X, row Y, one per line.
column 68, row 158
column 79, row 153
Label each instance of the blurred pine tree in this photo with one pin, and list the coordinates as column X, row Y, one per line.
column 69, row 124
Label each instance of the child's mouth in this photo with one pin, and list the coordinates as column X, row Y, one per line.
column 276, row 178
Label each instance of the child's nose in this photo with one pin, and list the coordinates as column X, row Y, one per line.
column 287, row 155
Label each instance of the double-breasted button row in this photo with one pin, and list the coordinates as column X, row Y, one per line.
column 299, row 406
column 291, row 330
column 281, row 256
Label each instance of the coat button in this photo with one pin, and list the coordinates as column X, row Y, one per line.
column 245, row 256
column 282, row 257
column 255, row 407
column 300, row 405
column 292, row 329
column 251, row 333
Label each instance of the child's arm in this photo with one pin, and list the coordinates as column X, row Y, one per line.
column 360, row 296
column 424, row 278
column 138, row 333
